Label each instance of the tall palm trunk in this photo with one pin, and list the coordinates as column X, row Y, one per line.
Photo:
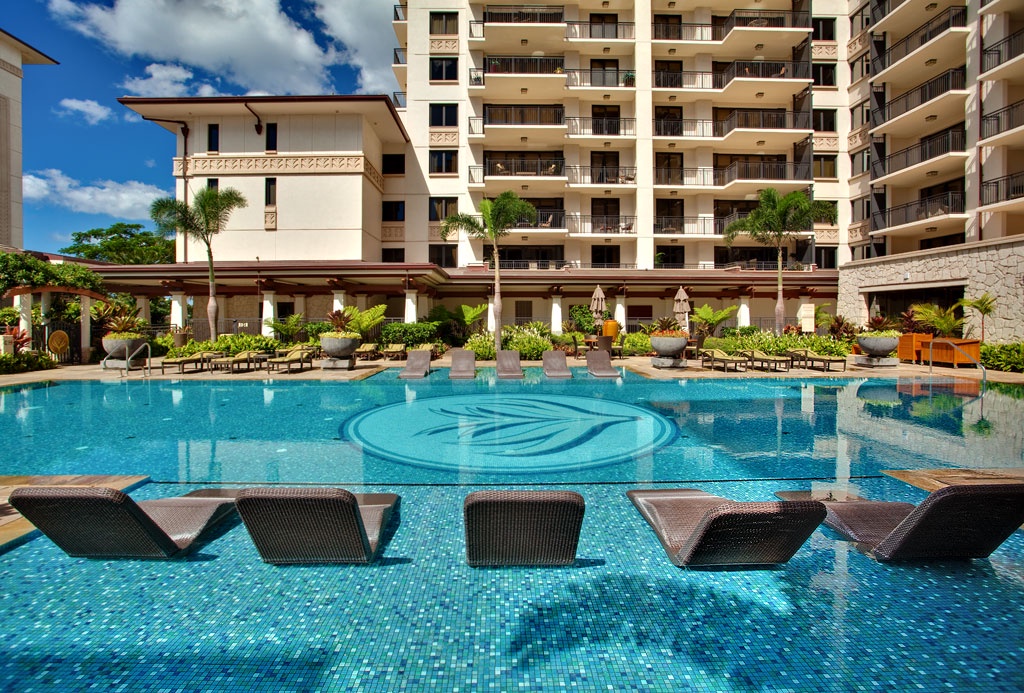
column 780, row 308
column 497, row 299
column 211, row 305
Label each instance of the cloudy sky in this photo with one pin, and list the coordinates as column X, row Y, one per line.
column 89, row 162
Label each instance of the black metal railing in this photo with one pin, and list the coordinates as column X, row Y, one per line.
column 399, row 98
column 663, row 31
column 532, row 167
column 998, row 53
column 401, row 13
column 523, row 14
column 545, row 219
column 528, row 264
column 601, row 175
column 601, row 126
column 937, row 145
column 600, row 77
column 687, row 79
column 757, row 19
column 604, row 265
column 684, row 176
column 400, row 57
column 919, row 210
column 524, row 115
column 738, row 170
column 521, row 65
column 941, row 23
column 1004, row 119
column 673, row 127
column 598, row 30
column 1009, row 187
column 921, row 94
column 762, row 120
column 688, row 226
column 880, row 8
column 752, row 69
column 602, row 223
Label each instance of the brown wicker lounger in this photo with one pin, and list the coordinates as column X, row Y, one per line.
column 696, row 528
column 97, row 522
column 953, row 522
column 522, row 527
column 315, row 525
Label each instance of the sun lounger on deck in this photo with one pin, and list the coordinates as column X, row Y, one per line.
column 417, row 366
column 522, row 527
column 463, row 364
column 198, row 360
column 509, row 366
column 248, row 359
column 98, row 522
column 367, row 350
column 696, row 528
column 758, row 359
column 315, row 525
column 555, row 365
column 599, row 365
column 298, row 356
column 807, row 359
column 711, row 357
column 393, row 351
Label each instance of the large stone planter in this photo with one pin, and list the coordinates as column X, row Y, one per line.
column 339, row 347
column 878, row 347
column 668, row 346
column 121, row 349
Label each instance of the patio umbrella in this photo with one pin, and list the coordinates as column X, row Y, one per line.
column 681, row 308
column 597, row 304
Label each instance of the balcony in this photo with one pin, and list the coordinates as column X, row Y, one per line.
column 507, row 125
column 935, row 157
column 742, row 83
column 685, row 226
column 941, row 41
column 943, row 212
column 1003, row 128
column 601, row 127
column 594, row 83
column 505, row 26
column 743, row 129
column 785, row 176
column 515, row 76
column 612, row 39
column 998, row 61
column 742, row 29
column 532, row 175
column 399, row 99
column 399, row 65
column 1004, row 194
column 943, row 99
column 608, row 225
column 546, row 220
column 1000, row 6
column 601, row 175
column 400, row 23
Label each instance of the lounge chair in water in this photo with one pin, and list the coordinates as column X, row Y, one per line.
column 699, row 529
column 955, row 522
column 463, row 364
column 315, row 525
column 522, row 527
column 555, row 365
column 417, row 365
column 509, row 366
column 712, row 357
column 98, row 522
column 599, row 365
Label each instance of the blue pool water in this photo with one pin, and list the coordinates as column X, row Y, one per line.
column 623, row 618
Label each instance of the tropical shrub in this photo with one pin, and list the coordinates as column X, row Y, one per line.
column 1003, row 357
column 942, row 321
column 880, row 323
column 288, row 328
column 10, row 315
column 841, row 328
column 729, row 345
column 232, row 344
column 530, row 346
column 22, row 339
column 636, row 344
column 409, row 333
column 744, row 331
column 25, row 361
column 121, row 320
column 315, row 329
column 667, row 324
column 482, row 344
column 354, row 323
column 771, row 343
column 706, row 319
column 583, row 318
column 454, row 327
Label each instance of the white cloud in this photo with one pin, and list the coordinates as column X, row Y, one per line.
column 127, row 200
column 252, row 43
column 92, row 111
column 166, row 80
column 364, row 27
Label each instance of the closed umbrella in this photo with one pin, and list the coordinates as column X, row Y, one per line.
column 681, row 308
column 597, row 304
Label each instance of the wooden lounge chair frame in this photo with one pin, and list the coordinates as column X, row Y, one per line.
column 698, row 529
column 555, row 365
column 316, row 525
column 417, row 365
column 599, row 365
column 98, row 522
column 536, row 528
column 508, row 365
column 367, row 350
column 717, row 356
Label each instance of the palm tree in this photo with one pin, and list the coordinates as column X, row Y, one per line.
column 497, row 217
column 944, row 321
column 984, row 305
column 208, row 214
column 774, row 221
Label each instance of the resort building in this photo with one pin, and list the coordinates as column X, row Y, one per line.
column 638, row 130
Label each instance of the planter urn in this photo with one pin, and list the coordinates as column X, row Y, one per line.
column 339, row 347
column 123, row 348
column 668, row 346
column 879, row 347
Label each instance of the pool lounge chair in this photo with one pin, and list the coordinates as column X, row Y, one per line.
column 98, row 522
column 709, row 358
column 248, row 359
column 315, row 525
column 508, row 365
column 393, row 351
column 699, row 529
column 807, row 359
column 417, row 365
column 463, row 365
column 758, row 359
column 298, row 356
column 365, row 351
column 540, row 528
column 955, row 522
column 599, row 365
column 198, row 360
column 555, row 365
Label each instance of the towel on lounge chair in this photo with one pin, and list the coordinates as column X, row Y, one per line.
column 417, row 366
column 509, row 366
column 957, row 522
column 697, row 528
column 599, row 365
column 463, row 364
column 522, row 527
column 315, row 525
column 98, row 522
column 555, row 365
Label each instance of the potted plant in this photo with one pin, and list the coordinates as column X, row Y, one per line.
column 628, row 79
column 668, row 340
column 123, row 324
column 947, row 326
column 348, row 327
column 180, row 335
column 878, row 343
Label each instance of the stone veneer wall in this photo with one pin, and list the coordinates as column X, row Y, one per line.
column 995, row 266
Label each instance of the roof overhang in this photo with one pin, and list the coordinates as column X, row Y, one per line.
column 29, row 55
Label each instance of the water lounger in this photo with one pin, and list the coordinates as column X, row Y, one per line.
column 699, row 529
column 463, row 365
column 509, row 366
column 599, row 365
column 98, row 522
column 315, row 525
column 555, row 365
column 540, row 528
column 955, row 522
column 417, row 366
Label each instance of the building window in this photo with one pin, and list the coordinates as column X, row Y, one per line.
column 270, row 129
column 393, row 164
column 392, row 210
column 444, row 115
column 444, row 161
column 860, row 68
column 860, row 19
column 825, row 165
column 213, row 137
column 824, row 119
column 860, row 162
column 270, row 191
column 861, row 209
column 444, row 69
column 440, row 208
column 824, row 28
column 444, row 23
column 213, row 183
column 392, row 254
column 446, row 255
column 860, row 115
column 825, row 257
column 824, row 74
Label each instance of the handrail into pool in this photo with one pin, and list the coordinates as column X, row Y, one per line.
column 976, row 362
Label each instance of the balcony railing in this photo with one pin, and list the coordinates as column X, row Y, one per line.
column 738, row 170
column 399, row 98
column 944, row 143
column 998, row 53
column 923, row 93
column 519, row 65
column 663, row 31
column 399, row 58
column 685, row 176
column 686, row 32
column 545, row 219
column 687, row 80
column 523, row 14
column 603, row 265
column 599, row 77
column 528, row 265
column 601, row 126
column 755, row 120
column 935, row 205
column 601, row 175
column 533, row 167
column 944, row 21
column 1009, row 187
column 605, row 223
column 1002, row 120
column 754, row 69
column 692, row 226
column 524, row 115
column 599, row 30
column 401, row 13
column 880, row 8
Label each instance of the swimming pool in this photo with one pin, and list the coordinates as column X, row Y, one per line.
column 623, row 617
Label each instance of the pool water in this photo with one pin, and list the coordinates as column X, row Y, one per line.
column 623, row 618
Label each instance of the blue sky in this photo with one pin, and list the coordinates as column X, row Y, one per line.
column 89, row 162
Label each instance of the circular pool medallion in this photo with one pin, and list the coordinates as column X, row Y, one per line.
column 509, row 433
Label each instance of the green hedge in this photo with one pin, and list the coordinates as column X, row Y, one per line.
column 531, row 347
column 482, row 344
column 25, row 361
column 1003, row 357
column 409, row 333
column 771, row 343
column 636, row 344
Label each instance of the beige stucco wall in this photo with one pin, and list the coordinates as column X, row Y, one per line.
column 11, row 216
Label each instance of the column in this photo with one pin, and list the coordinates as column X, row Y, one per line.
column 490, row 313
column 340, row 300
column 24, row 305
column 45, row 299
column 411, row 304
column 361, row 301
column 556, row 315
column 619, row 311
column 743, row 314
column 142, row 303
column 179, row 315
column 300, row 304
column 86, row 321
column 269, row 313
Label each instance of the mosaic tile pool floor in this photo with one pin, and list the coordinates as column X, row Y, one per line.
column 623, row 618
